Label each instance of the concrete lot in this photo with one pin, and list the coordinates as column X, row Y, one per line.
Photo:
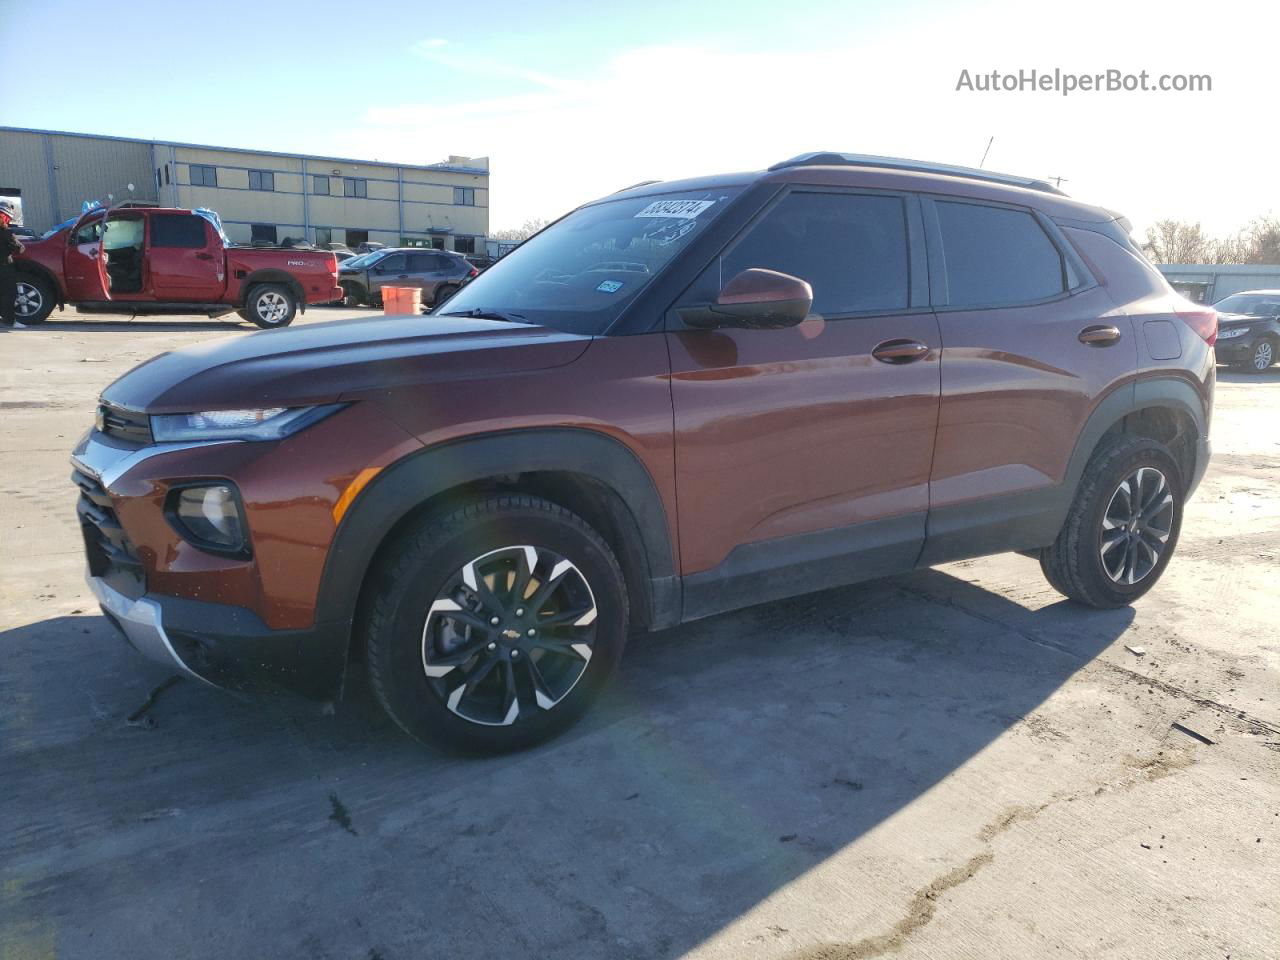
column 955, row 763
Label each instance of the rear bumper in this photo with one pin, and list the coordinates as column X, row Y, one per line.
column 229, row 647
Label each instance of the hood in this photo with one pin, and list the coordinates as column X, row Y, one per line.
column 325, row 362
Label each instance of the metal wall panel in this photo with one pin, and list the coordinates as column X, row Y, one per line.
column 90, row 169
column 22, row 165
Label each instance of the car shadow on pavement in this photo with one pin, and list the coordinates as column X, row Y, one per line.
column 1228, row 375
column 731, row 756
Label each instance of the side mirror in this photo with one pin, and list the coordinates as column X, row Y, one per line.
column 756, row 299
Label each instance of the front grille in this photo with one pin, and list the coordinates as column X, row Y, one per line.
column 108, row 550
column 126, row 424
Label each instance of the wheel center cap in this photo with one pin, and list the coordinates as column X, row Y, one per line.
column 510, row 634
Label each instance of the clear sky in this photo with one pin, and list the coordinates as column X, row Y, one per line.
column 575, row 99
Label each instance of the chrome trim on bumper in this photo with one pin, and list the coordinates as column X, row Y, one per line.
column 141, row 621
column 108, row 463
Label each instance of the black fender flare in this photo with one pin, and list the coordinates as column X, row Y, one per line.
column 404, row 486
column 31, row 268
column 272, row 275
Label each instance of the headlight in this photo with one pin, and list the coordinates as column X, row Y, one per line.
column 1232, row 334
column 269, row 423
column 209, row 516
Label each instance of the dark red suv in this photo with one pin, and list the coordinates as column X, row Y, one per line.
column 680, row 399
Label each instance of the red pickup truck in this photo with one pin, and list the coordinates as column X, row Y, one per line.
column 157, row 260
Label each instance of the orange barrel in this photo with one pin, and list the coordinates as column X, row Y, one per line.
column 399, row 300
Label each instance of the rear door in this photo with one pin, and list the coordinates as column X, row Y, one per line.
column 186, row 258
column 1028, row 350
column 803, row 454
column 423, row 273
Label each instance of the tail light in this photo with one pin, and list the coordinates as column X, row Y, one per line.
column 474, row 272
column 1203, row 320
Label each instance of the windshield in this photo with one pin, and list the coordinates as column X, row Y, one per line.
column 1250, row 304
column 579, row 273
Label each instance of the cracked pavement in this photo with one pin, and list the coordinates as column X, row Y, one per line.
column 950, row 764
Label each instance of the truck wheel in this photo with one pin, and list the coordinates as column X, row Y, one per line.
column 351, row 296
column 444, row 292
column 1122, row 527
column 34, row 299
column 494, row 626
column 271, row 305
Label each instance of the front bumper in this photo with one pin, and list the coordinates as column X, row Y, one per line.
column 1235, row 350
column 229, row 647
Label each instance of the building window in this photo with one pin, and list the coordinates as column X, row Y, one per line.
column 324, row 236
column 320, row 186
column 464, row 196
column 157, row 178
column 464, row 244
column 166, row 174
column 202, row 176
column 437, row 243
column 261, row 180
column 353, row 187
column 357, row 237
column 262, row 233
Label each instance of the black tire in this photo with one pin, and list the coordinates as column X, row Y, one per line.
column 351, row 296
column 1075, row 564
column 1261, row 357
column 270, row 305
column 35, row 294
column 420, row 571
column 444, row 292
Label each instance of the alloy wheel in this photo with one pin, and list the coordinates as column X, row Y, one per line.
column 29, row 300
column 273, row 307
column 1263, row 355
column 510, row 633
column 1136, row 526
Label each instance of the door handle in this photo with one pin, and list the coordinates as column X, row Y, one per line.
column 899, row 351
column 1099, row 335
column 204, row 256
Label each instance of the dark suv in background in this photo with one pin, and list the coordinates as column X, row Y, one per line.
column 439, row 273
column 1249, row 329
column 681, row 399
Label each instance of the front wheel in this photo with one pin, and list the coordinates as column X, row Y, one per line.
column 33, row 300
column 1122, row 527
column 494, row 626
column 351, row 296
column 270, row 305
column 1263, row 355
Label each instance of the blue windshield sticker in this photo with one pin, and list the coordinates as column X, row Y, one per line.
column 610, row 286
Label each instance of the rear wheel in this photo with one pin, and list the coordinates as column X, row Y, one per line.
column 495, row 626
column 270, row 305
column 1122, row 527
column 1263, row 356
column 33, row 299
column 444, row 292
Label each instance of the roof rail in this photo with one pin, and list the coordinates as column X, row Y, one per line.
column 832, row 159
column 642, row 183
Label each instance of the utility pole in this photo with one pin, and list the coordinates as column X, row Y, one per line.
column 1057, row 181
column 985, row 152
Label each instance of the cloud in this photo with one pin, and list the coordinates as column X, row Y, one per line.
column 664, row 111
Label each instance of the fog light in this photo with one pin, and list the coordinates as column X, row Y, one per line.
column 210, row 517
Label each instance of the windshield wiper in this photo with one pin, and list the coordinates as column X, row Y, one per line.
column 479, row 314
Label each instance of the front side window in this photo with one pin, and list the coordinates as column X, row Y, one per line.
column 203, row 176
column 995, row 256
column 320, row 186
column 90, row 232
column 262, row 180
column 393, row 263
column 177, row 230
column 354, row 187
column 851, row 248
column 579, row 273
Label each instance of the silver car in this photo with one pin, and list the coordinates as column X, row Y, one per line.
column 438, row 273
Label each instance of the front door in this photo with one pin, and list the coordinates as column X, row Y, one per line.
column 186, row 258
column 82, row 263
column 803, row 454
column 392, row 270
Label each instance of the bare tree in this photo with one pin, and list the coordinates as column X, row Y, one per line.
column 1173, row 241
column 521, row 233
column 1263, row 237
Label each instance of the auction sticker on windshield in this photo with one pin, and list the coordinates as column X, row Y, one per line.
column 677, row 209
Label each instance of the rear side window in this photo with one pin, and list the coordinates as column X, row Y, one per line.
column 851, row 248
column 997, row 256
column 177, row 230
